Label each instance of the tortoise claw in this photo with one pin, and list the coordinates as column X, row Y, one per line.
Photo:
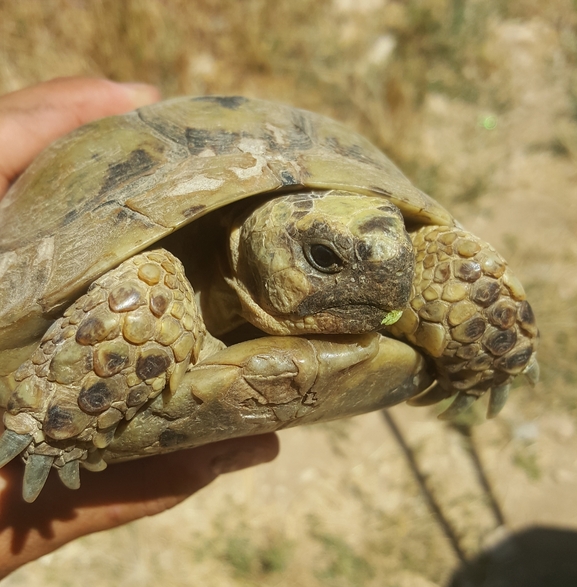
column 497, row 399
column 12, row 444
column 531, row 371
column 461, row 404
column 70, row 474
column 433, row 395
column 35, row 475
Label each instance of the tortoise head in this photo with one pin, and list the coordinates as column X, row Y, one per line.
column 321, row 262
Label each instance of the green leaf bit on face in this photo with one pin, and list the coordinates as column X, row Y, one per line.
column 392, row 317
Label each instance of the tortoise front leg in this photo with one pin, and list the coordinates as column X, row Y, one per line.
column 470, row 314
column 131, row 336
column 272, row 383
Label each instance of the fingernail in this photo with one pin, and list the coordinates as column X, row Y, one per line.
column 142, row 94
column 239, row 459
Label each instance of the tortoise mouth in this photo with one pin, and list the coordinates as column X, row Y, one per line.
column 348, row 319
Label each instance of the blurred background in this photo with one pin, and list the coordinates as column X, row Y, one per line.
column 476, row 101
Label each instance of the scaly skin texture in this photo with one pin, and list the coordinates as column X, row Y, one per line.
column 468, row 312
column 132, row 335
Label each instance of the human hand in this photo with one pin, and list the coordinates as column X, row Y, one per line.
column 30, row 119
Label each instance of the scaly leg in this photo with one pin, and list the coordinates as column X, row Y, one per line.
column 133, row 334
column 470, row 314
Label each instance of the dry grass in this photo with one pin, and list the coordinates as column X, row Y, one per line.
column 477, row 101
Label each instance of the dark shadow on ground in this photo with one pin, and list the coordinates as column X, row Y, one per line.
column 538, row 557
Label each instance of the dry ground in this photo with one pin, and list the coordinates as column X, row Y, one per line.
column 477, row 101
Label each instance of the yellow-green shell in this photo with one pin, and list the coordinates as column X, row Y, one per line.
column 117, row 185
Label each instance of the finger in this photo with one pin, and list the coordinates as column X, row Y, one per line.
column 113, row 497
column 30, row 119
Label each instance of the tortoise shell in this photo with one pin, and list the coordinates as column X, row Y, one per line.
column 115, row 186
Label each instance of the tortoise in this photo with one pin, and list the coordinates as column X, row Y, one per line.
column 210, row 267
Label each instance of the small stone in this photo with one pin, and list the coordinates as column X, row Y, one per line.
column 150, row 273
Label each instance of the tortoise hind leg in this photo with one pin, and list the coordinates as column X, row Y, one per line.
column 469, row 313
column 131, row 336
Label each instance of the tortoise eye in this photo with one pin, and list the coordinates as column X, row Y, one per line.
column 323, row 258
